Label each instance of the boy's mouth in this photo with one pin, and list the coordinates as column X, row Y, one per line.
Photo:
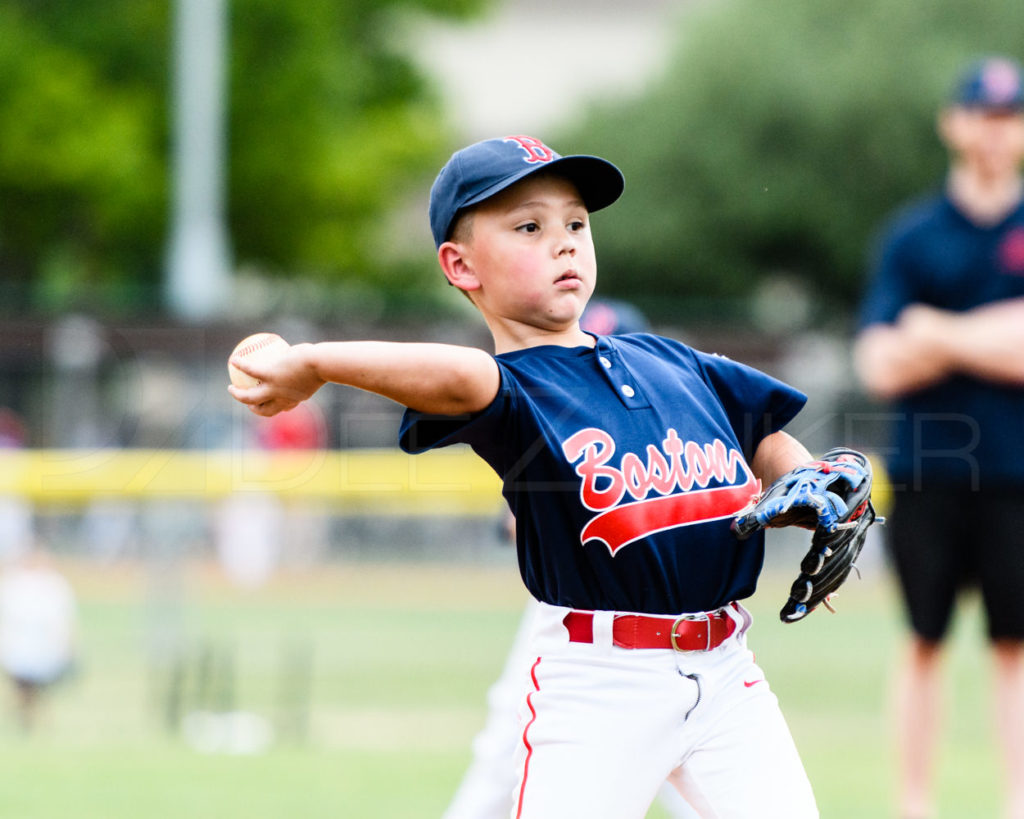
column 568, row 276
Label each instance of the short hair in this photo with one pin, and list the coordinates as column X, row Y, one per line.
column 462, row 227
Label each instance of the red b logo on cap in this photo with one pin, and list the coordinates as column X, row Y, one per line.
column 536, row 151
column 1000, row 80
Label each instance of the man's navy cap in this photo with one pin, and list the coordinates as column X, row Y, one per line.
column 993, row 83
column 612, row 317
column 485, row 168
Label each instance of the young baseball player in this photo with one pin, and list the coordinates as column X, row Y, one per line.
column 942, row 333
column 489, row 780
column 625, row 461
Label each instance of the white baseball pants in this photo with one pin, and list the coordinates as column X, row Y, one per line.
column 603, row 727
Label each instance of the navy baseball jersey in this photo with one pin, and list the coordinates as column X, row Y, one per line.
column 624, row 465
column 956, row 432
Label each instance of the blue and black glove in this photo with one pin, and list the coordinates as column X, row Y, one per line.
column 831, row 496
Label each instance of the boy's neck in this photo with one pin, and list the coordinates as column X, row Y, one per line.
column 521, row 337
column 985, row 200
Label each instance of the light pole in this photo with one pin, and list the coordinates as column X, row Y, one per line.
column 198, row 264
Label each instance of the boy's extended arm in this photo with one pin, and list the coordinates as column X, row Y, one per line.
column 927, row 344
column 441, row 379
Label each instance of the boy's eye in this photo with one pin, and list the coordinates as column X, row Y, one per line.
column 529, row 227
column 577, row 224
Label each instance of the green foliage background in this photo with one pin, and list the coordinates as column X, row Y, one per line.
column 780, row 136
column 328, row 128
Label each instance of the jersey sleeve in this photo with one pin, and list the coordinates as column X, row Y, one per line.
column 481, row 430
column 755, row 403
column 890, row 287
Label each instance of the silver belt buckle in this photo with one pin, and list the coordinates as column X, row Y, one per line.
column 704, row 617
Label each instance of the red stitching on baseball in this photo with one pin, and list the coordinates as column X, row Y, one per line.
column 255, row 345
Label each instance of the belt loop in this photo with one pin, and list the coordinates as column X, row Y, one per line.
column 743, row 619
column 603, row 630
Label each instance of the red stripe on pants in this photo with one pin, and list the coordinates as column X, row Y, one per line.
column 526, row 741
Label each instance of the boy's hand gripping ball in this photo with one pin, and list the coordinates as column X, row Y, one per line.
column 260, row 347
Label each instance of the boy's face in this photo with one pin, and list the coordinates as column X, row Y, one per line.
column 528, row 256
column 991, row 142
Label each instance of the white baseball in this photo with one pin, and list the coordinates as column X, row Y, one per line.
column 259, row 347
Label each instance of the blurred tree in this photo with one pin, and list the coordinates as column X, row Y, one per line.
column 81, row 176
column 326, row 121
column 778, row 139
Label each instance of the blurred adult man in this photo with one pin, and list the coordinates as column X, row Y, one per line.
column 942, row 335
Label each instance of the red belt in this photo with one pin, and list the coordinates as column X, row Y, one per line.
column 688, row 632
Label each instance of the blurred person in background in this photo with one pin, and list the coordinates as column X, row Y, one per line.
column 12, row 429
column 37, row 629
column 942, row 335
column 16, row 514
column 254, row 529
column 489, row 782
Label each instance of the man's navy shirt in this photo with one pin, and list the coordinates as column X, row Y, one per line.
column 962, row 432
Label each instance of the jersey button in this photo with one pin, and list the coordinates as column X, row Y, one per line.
column 628, row 391
column 605, row 363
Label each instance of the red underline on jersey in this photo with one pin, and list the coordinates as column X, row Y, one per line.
column 625, row 524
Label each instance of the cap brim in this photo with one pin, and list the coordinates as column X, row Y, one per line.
column 599, row 182
column 1011, row 107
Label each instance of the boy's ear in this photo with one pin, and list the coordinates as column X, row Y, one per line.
column 948, row 125
column 456, row 267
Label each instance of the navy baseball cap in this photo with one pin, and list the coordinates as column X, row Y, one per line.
column 485, row 168
column 993, row 83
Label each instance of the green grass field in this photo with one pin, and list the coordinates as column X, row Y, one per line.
column 402, row 656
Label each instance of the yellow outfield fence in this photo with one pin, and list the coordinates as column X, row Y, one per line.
column 444, row 482
column 447, row 482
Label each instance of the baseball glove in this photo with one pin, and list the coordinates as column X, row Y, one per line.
column 831, row 496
